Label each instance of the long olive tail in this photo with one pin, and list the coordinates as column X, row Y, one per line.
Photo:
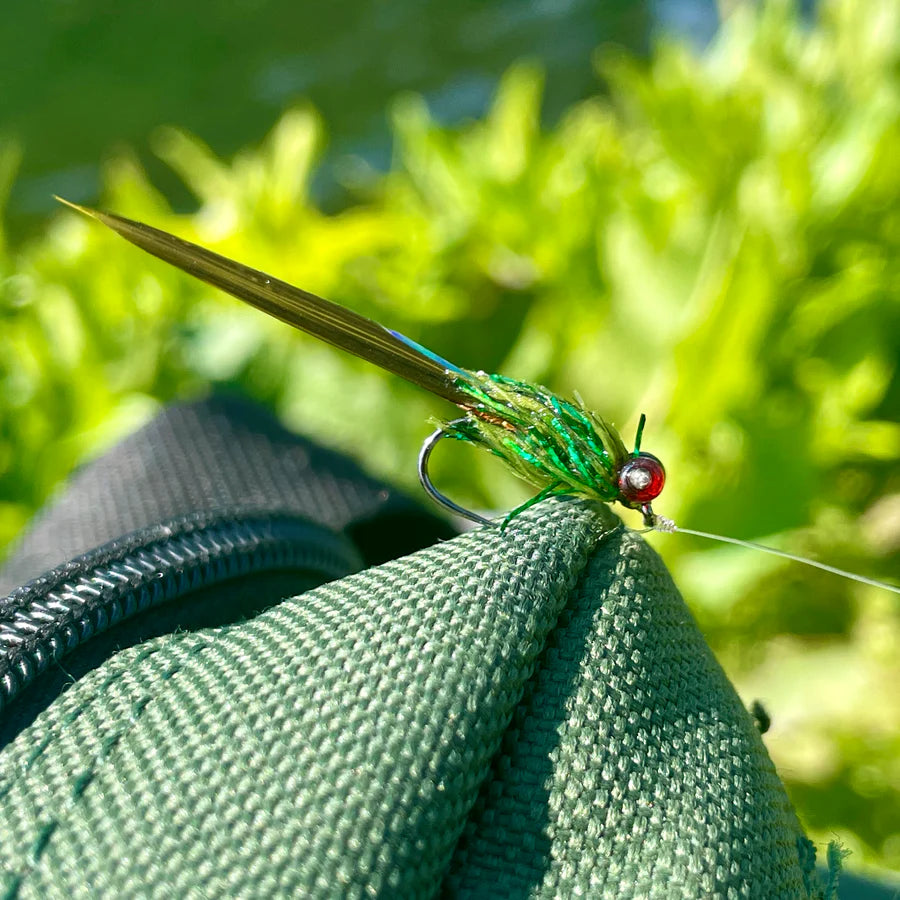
column 321, row 318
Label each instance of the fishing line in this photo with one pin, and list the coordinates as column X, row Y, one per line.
column 667, row 526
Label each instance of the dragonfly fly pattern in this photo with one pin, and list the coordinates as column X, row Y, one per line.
column 559, row 446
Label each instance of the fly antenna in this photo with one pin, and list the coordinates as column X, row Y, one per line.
column 667, row 526
column 640, row 433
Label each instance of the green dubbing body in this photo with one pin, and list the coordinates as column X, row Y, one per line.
column 546, row 440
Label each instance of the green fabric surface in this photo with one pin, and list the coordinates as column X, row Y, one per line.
column 520, row 713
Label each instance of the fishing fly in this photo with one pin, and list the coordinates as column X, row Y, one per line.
column 557, row 445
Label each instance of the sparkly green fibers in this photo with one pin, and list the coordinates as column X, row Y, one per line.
column 549, row 442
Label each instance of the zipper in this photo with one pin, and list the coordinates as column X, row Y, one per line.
column 48, row 618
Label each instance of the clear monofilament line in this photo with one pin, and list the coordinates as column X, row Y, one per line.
column 667, row 526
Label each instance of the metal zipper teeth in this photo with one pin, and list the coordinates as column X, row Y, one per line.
column 74, row 610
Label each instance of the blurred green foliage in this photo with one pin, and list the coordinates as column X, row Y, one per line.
column 713, row 240
column 78, row 77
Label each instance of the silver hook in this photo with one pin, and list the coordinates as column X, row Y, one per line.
column 431, row 490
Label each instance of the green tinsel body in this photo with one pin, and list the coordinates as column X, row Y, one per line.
column 547, row 441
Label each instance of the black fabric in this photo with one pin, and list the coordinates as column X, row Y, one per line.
column 220, row 453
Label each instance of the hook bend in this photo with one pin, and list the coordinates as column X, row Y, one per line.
column 424, row 456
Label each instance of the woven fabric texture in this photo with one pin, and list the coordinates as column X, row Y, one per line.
column 223, row 452
column 520, row 713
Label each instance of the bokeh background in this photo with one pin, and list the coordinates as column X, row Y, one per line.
column 670, row 207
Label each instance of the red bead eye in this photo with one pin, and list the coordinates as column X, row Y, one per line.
column 642, row 478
